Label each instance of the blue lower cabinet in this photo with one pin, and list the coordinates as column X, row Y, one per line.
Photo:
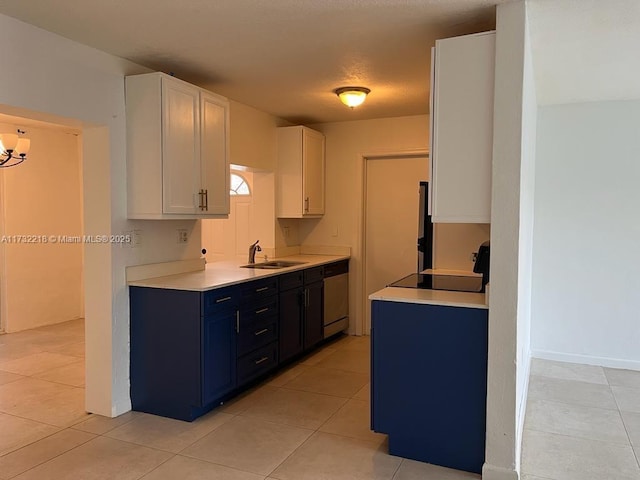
column 218, row 356
column 191, row 350
column 167, row 348
column 429, row 382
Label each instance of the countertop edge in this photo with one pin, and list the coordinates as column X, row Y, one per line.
column 189, row 281
column 431, row 297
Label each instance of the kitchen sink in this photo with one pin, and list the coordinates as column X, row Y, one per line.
column 275, row 264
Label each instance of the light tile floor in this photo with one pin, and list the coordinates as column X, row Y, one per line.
column 582, row 422
column 308, row 422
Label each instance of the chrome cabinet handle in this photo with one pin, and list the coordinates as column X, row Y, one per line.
column 224, row 299
column 264, row 330
column 262, row 310
column 306, row 204
column 237, row 321
column 263, row 289
column 262, row 360
column 206, row 199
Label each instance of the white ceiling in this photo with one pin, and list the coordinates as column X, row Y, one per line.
column 585, row 50
column 284, row 57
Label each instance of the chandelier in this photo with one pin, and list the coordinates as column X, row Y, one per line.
column 13, row 149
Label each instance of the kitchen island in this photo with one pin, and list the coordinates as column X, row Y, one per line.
column 200, row 337
column 429, row 374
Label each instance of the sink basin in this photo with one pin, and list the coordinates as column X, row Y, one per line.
column 273, row 264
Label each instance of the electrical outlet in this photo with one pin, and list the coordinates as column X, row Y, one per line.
column 285, row 232
column 183, row 235
column 473, row 256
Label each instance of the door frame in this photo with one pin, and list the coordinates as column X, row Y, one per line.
column 3, row 276
column 361, row 296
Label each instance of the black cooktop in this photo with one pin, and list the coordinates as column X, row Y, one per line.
column 430, row 281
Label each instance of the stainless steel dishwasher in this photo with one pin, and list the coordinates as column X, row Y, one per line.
column 336, row 298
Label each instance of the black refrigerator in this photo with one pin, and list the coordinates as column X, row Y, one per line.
column 425, row 230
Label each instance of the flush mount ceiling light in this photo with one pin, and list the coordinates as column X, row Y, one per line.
column 13, row 149
column 352, row 96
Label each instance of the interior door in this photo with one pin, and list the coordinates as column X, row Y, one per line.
column 391, row 221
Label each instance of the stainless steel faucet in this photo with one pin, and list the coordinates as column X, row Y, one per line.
column 252, row 251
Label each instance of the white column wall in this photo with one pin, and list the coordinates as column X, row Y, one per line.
column 511, row 231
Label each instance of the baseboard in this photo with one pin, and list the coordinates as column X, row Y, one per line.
column 491, row 472
column 587, row 359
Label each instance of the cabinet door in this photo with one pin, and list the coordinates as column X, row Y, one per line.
column 313, row 315
column 313, row 173
column 214, row 165
column 291, row 315
column 180, row 147
column 218, row 355
column 462, row 129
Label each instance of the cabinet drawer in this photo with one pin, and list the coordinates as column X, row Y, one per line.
column 312, row 275
column 257, row 363
column 219, row 298
column 258, row 334
column 257, row 310
column 291, row 280
column 260, row 289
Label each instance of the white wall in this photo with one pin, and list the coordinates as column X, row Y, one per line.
column 42, row 198
column 511, row 230
column 586, row 236
column 454, row 244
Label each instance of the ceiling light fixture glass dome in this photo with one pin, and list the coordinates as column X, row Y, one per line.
column 352, row 96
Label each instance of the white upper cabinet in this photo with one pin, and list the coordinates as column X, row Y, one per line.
column 300, row 173
column 462, row 86
column 177, row 149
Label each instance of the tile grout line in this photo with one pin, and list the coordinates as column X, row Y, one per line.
column 41, row 422
column 398, row 468
column 156, row 467
column 625, row 427
column 55, row 456
column 578, row 437
column 209, row 432
column 559, row 402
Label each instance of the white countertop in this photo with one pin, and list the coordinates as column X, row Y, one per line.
column 222, row 274
column 431, row 297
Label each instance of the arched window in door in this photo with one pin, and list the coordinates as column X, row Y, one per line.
column 239, row 185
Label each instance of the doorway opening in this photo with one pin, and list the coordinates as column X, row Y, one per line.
column 390, row 221
column 228, row 239
column 42, row 341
